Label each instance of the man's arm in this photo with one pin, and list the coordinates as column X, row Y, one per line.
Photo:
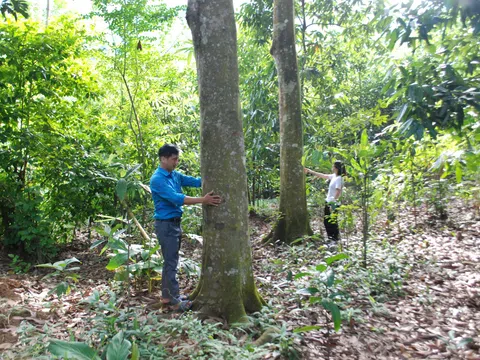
column 167, row 192
column 189, row 181
column 208, row 199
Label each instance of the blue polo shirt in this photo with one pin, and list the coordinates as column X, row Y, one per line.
column 167, row 192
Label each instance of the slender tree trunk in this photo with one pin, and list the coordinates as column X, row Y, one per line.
column 47, row 13
column 365, row 196
column 303, row 27
column 293, row 223
column 226, row 287
column 138, row 134
column 254, row 183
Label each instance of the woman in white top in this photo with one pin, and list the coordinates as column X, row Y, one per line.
column 334, row 192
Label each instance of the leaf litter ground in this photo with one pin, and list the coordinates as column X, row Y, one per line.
column 426, row 307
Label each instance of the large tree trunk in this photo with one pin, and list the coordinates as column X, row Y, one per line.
column 226, row 288
column 293, row 222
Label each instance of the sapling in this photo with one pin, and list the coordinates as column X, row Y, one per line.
column 61, row 271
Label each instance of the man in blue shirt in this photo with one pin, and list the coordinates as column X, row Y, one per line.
column 166, row 185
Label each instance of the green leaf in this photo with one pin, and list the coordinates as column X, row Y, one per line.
column 364, row 138
column 72, row 350
column 308, row 291
column 321, row 268
column 330, row 278
column 395, row 96
column 296, row 241
column 363, row 153
column 97, row 243
column 289, row 275
column 118, row 244
column 117, row 261
column 119, row 348
column 50, row 266
column 60, row 289
column 465, row 341
column 59, row 265
column 68, row 261
column 300, row 275
column 315, row 300
column 330, row 260
column 458, row 172
column 307, row 328
column 132, row 170
column 335, row 312
column 402, row 112
column 121, row 189
column 135, row 352
column 355, row 165
column 121, row 275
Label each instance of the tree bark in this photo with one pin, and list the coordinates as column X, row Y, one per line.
column 226, row 287
column 293, row 222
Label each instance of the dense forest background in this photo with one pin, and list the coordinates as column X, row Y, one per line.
column 390, row 88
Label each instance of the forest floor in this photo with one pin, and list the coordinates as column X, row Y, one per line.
column 418, row 299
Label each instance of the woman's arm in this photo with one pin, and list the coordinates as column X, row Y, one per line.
column 314, row 173
column 338, row 192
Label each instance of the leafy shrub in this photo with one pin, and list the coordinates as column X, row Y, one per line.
column 68, row 278
column 17, row 265
column 31, row 230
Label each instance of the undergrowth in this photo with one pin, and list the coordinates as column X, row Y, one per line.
column 154, row 337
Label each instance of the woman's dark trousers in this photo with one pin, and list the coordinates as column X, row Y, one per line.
column 331, row 223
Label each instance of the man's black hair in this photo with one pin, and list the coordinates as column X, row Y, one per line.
column 168, row 150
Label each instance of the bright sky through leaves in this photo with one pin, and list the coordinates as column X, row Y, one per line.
column 84, row 6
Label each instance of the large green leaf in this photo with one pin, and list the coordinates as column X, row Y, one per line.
column 117, row 261
column 97, row 243
column 364, row 138
column 118, row 244
column 72, row 350
column 307, row 328
column 336, row 257
column 121, row 189
column 60, row 289
column 355, row 165
column 302, row 274
column 402, row 112
column 330, row 278
column 59, row 265
column 334, row 311
column 308, row 291
column 135, row 352
column 119, row 347
column 132, row 170
column 458, row 172
column 14, row 7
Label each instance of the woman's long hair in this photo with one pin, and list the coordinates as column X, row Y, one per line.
column 340, row 167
